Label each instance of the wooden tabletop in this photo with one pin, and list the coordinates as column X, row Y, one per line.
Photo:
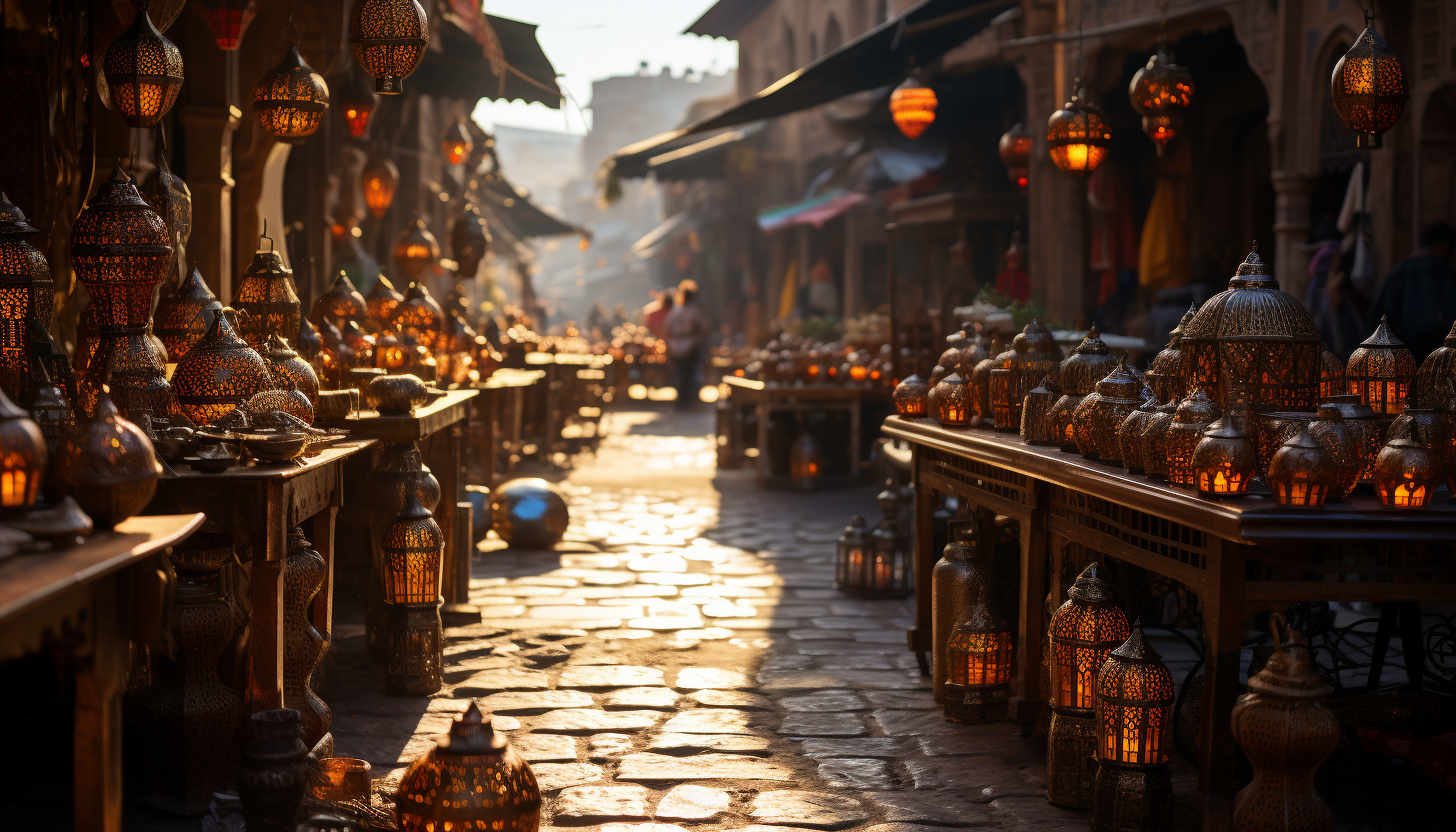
column 424, row 421
column 579, row 358
column 27, row 581
column 273, row 470
column 504, row 378
column 1251, row 519
column 753, row 388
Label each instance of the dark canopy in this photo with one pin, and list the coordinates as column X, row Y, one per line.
column 520, row 216
column 461, row 69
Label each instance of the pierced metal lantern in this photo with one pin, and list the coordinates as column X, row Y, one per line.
column 472, row 780
column 912, row 106
column 360, row 343
column 389, row 39
column 357, row 103
column 1432, row 427
column 1078, row 374
column 950, row 402
column 289, row 371
column 120, row 250
column 143, row 72
column 1130, row 433
column 266, row 300
column 389, row 351
column 1078, row 135
column 413, row 548
column 227, row 20
column 22, row 456
column 806, row 463
column 978, row 652
column 1082, row 632
column 51, row 411
column 218, row 374
column 1406, row 473
column 170, row 197
column 1351, row 452
column 1380, row 371
column 380, row 304
column 469, row 242
column 1015, row 152
column 108, row 466
column 1368, row 87
column 456, row 144
column 1224, row 460
column 1253, row 347
column 1133, row 791
column 938, row 374
column 851, row 553
column 883, row 570
column 1193, row 416
column 1435, row 384
column 1033, row 357
column 1034, row 409
column 412, row 556
column 1097, row 418
column 290, row 99
column 1332, row 374
column 340, row 304
column 1155, row 441
column 416, row 250
column 128, row 361
column 980, row 393
column 184, row 315
column 910, row 397
column 1302, row 472
column 1160, row 92
column 380, row 179
column 1165, row 371
column 419, row 315
column 26, row 292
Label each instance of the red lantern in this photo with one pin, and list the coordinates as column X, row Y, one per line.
column 227, row 20
column 1160, row 91
column 1078, row 136
column 358, row 102
column 1015, row 151
column 379, row 178
column 456, row 144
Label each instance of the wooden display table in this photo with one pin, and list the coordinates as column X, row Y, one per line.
column 497, row 420
column 80, row 597
column 1238, row 556
column 767, row 399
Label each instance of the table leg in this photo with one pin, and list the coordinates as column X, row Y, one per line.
column 96, row 742
column 321, row 533
column 919, row 637
column 854, row 431
column 490, row 401
column 1223, row 611
column 1026, row 705
column 265, row 689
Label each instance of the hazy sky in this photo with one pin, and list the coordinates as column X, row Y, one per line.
column 587, row 40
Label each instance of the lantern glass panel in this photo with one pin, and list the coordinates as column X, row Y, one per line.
column 1083, row 631
column 1134, row 705
column 412, row 553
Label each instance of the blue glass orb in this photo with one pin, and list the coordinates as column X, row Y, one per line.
column 528, row 513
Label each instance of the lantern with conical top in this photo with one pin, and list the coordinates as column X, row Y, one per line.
column 978, row 652
column 1368, row 87
column 1034, row 409
column 884, row 570
column 357, row 103
column 1083, row 631
column 1380, row 371
column 389, row 39
column 1078, row 135
column 184, row 315
column 1194, row 415
column 380, row 179
column 108, row 466
column 1406, row 472
column 143, row 72
column 340, row 304
column 912, row 106
column 290, row 99
column 22, row 456
column 851, row 553
column 1301, row 472
column 266, row 301
column 456, row 143
column 218, row 374
column 1015, row 151
column 1155, row 440
column 1130, row 433
column 1165, row 371
column 1033, row 357
column 1160, row 92
column 227, row 20
column 1224, row 460
column 469, row 242
column 416, row 249
column 135, row 368
column 411, row 560
column 120, row 249
column 1133, row 790
column 1089, row 363
column 418, row 315
column 26, row 292
column 1097, row 418
column 473, row 780
column 289, row 371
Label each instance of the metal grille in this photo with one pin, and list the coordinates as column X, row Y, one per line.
column 1132, row 528
column 981, row 476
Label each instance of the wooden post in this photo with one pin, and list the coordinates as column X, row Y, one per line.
column 919, row 637
column 265, row 689
column 1031, row 624
column 1223, row 611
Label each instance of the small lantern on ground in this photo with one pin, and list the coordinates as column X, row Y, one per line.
column 472, row 780
column 389, row 39
column 1224, row 460
column 412, row 555
column 1078, row 135
column 978, row 656
column 850, row 554
column 1368, row 87
column 1015, row 151
column 290, row 99
column 884, row 570
column 143, row 72
column 806, row 463
column 1302, row 471
column 950, row 402
column 1134, row 790
column 912, row 105
column 380, row 179
column 1406, row 473
column 1380, row 371
column 1083, row 631
column 1160, row 92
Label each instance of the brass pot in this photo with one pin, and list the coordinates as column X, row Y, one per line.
column 398, row 395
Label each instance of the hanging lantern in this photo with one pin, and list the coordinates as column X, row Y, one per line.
column 418, row 315
column 265, row 298
column 120, row 252
column 1165, row 371
column 218, row 374
column 108, row 466
column 472, row 780
column 1368, row 87
column 806, row 463
column 1078, row 135
column 469, row 242
column 1083, row 631
column 1160, row 92
column 143, row 72
column 290, row 99
column 1133, row 790
column 912, row 105
column 1406, row 473
column 22, row 456
column 1015, row 151
column 950, row 402
column 1380, row 371
column 340, row 304
column 227, row 20
column 978, row 651
column 910, row 397
column 184, row 316
column 456, row 144
column 357, row 103
column 415, row 250
column 26, row 292
column 412, row 557
column 389, row 39
column 170, row 197
column 289, row 371
column 1302, row 472
column 380, row 178
column 1224, row 460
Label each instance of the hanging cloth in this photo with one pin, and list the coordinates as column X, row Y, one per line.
column 1114, row 244
column 790, row 292
column 1164, row 258
column 1354, row 223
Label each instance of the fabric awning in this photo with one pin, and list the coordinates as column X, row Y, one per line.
column 881, row 57
column 707, row 159
column 815, row 212
column 653, row 241
column 522, row 217
column 463, row 68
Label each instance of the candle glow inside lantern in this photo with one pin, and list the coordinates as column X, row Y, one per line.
column 1380, row 371
column 290, row 99
column 1406, row 473
column 389, row 39
column 912, row 106
column 380, row 179
column 978, row 655
column 850, row 553
column 472, row 781
column 951, row 402
column 1368, row 87
column 1193, row 416
column 1133, row 790
column 143, row 71
column 1078, row 135
column 1224, row 460
column 882, row 570
column 806, row 463
column 1302, row 472
column 412, row 557
column 22, row 456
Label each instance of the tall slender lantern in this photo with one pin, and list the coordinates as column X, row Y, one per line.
column 416, row 249
column 472, row 780
column 266, row 298
column 1078, row 135
column 227, row 20
column 806, row 463
column 1380, row 371
column 143, row 72
column 1368, row 87
column 412, row 556
column 290, row 99
column 1015, row 152
column 1083, row 631
column 380, row 179
column 389, row 39
column 912, row 106
column 357, row 104
column 26, row 292
column 1160, row 92
column 1133, row 791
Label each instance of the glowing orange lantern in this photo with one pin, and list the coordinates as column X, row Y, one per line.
column 1224, row 460
column 1134, row 713
column 358, row 103
column 1160, row 91
column 912, row 105
column 1015, row 151
column 379, row 178
column 1368, row 87
column 1078, row 136
column 1406, row 473
column 456, row 144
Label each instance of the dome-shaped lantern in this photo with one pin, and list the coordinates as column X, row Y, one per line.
column 950, row 402
column 472, row 779
column 26, row 293
column 380, row 304
column 1302, row 472
column 1253, row 347
column 1406, row 472
column 389, row 39
column 379, row 179
column 1165, row 371
column 1097, row 418
column 357, row 104
column 1078, row 135
column 22, row 456
column 340, row 304
column 910, row 397
column 183, row 316
column 416, row 250
column 289, row 371
column 1368, row 87
column 1130, row 432
column 1332, row 374
column 1435, row 383
column 120, row 250
column 456, row 143
column 290, row 99
column 218, row 374
column 912, row 106
column 1224, row 460
column 1034, row 357
column 1089, row 363
column 265, row 298
column 1380, row 371
column 418, row 315
column 143, row 72
column 469, row 242
column 108, row 466
column 227, row 20
column 1193, row 416
column 1034, row 408
column 1155, row 440
column 1160, row 92
column 1015, row 151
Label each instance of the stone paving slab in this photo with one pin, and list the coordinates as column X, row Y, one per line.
column 693, row 802
column 663, row 768
column 815, row 810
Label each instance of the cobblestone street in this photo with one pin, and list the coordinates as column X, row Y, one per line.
column 681, row 660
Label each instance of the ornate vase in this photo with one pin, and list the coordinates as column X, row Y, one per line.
column 276, row 772
column 303, row 645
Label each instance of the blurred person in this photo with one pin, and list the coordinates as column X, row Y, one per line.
column 823, row 296
column 687, row 330
column 1338, row 307
column 654, row 315
column 1419, row 295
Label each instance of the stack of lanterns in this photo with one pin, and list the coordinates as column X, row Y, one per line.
column 412, row 560
column 875, row 564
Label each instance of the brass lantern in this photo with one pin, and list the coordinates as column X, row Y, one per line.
column 1134, row 790
column 1015, row 151
column 418, row 315
column 290, row 99
column 360, row 343
column 1083, row 631
column 289, row 371
column 120, row 250
column 1165, row 371
column 1089, row 363
column 1160, row 92
column 1224, row 460
column 1302, row 471
column 389, row 352
column 380, row 179
column 218, row 374
column 1406, row 473
column 1380, row 371
column 1078, row 135
column 1034, row 356
column 882, row 567
column 1368, row 87
column 1193, row 416
column 26, row 292
column 851, row 553
column 471, row 780
column 1253, row 347
column 51, row 411
column 1332, row 374
column 1097, row 418
column 416, row 250
column 266, row 300
column 389, row 39
column 910, row 397
column 456, row 143
column 143, row 72
column 1351, row 453
column 108, row 466
column 1435, row 383
column 22, row 456
column 340, row 304
column 950, row 402
column 1130, row 433
column 227, row 20
column 412, row 557
column 1034, row 408
column 357, row 103
column 469, row 242
column 912, row 106
column 1155, row 441
column 806, row 463
column 978, row 652
column 184, row 316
